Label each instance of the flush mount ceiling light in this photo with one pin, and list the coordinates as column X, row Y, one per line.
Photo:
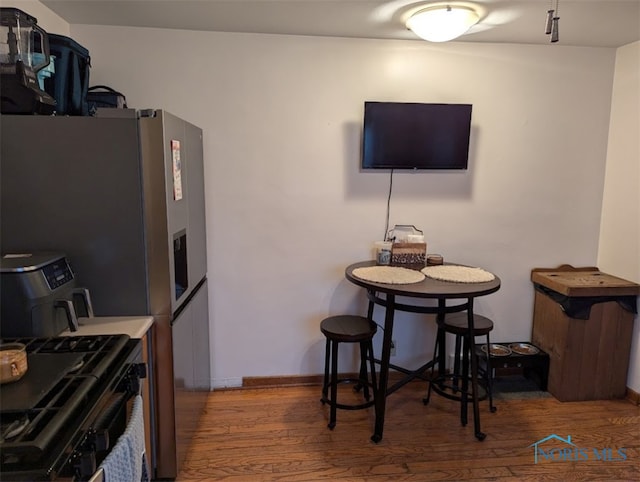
column 443, row 22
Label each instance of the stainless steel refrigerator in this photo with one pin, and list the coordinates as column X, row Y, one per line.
column 122, row 195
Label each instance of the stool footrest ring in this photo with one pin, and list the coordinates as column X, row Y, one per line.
column 444, row 386
column 344, row 406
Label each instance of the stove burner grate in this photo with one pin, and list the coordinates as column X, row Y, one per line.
column 33, row 439
column 13, row 429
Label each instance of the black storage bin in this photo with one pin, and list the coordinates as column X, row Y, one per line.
column 104, row 96
column 70, row 81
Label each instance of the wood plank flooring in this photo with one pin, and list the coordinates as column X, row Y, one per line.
column 281, row 434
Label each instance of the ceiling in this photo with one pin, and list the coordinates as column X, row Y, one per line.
column 592, row 23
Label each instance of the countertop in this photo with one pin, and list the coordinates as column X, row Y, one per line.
column 134, row 326
column 578, row 282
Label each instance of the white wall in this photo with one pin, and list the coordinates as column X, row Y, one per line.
column 288, row 209
column 619, row 251
column 47, row 20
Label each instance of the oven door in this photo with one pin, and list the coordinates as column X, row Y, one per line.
column 118, row 422
column 127, row 460
column 114, row 413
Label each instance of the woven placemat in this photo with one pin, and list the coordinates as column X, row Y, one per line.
column 392, row 275
column 458, row 274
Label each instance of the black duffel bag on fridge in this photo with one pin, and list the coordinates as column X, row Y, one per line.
column 103, row 96
column 68, row 85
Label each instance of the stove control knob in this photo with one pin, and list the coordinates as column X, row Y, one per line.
column 96, row 441
column 101, row 440
column 141, row 370
column 85, row 464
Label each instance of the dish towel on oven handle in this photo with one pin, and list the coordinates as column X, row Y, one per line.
column 127, row 460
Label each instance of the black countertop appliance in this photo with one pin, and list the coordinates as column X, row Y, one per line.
column 26, row 53
column 39, row 295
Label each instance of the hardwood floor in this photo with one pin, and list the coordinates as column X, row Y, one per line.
column 281, row 434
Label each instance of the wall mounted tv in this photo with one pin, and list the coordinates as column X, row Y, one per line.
column 400, row 135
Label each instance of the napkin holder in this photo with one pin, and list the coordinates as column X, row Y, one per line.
column 409, row 248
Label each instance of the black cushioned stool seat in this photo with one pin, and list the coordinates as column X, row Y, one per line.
column 348, row 329
column 455, row 385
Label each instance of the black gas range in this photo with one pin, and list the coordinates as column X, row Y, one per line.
column 59, row 421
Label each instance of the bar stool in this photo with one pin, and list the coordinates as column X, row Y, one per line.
column 455, row 385
column 348, row 329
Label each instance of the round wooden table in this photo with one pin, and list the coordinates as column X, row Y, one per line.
column 442, row 291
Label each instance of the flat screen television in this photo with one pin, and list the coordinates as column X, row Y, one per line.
column 399, row 135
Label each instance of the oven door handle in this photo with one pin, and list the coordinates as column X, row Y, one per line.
column 98, row 476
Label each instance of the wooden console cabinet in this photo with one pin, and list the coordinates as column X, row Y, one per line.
column 583, row 319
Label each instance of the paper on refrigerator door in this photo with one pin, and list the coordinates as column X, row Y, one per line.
column 177, row 170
